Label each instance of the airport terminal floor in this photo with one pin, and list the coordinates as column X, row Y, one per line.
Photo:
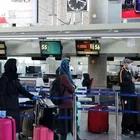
column 103, row 136
column 83, row 105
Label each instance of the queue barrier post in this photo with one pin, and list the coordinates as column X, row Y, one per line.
column 74, row 117
column 117, row 115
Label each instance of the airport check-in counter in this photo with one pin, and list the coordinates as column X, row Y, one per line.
column 34, row 86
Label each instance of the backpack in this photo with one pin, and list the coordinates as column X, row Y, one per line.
column 55, row 92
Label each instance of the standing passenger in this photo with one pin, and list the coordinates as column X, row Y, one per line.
column 66, row 108
column 128, row 103
column 87, row 81
column 10, row 90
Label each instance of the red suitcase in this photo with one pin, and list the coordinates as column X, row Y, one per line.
column 7, row 129
column 98, row 121
column 43, row 133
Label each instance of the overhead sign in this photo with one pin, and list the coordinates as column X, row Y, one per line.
column 2, row 49
column 130, row 9
column 87, row 47
column 18, row 11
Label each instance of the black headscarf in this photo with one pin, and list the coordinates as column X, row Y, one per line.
column 11, row 69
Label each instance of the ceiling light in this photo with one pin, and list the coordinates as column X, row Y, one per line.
column 12, row 38
column 68, row 38
column 121, row 37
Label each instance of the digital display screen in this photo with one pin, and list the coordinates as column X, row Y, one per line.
column 137, row 5
column 2, row 49
column 51, row 48
column 88, row 47
column 2, row 45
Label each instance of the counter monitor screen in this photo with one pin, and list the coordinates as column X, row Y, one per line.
column 33, row 69
column 87, row 47
column 51, row 48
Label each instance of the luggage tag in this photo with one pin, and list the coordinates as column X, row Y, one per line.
column 2, row 113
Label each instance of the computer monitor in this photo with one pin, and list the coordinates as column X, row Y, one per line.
column 29, row 85
column 33, row 69
column 51, row 48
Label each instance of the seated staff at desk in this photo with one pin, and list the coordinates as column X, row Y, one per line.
column 10, row 88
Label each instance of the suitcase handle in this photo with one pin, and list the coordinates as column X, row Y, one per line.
column 13, row 128
column 99, row 107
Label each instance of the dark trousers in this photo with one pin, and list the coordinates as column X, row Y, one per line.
column 66, row 126
column 128, row 119
column 16, row 115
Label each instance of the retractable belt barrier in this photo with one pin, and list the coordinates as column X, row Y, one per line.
column 116, row 110
column 107, row 92
column 89, row 93
column 93, row 92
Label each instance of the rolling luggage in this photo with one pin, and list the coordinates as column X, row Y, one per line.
column 98, row 121
column 7, row 129
column 42, row 133
column 27, row 123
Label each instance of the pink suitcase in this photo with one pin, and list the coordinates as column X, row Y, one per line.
column 7, row 129
column 43, row 133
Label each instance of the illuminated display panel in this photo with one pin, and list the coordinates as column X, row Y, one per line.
column 87, row 47
column 2, row 49
column 50, row 48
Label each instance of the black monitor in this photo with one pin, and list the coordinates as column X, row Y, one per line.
column 51, row 48
column 33, row 70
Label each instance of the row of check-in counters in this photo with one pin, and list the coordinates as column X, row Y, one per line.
column 81, row 94
column 84, row 99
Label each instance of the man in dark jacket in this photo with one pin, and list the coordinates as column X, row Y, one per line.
column 128, row 103
column 10, row 90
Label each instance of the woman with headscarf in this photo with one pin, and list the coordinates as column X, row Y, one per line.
column 66, row 108
column 11, row 88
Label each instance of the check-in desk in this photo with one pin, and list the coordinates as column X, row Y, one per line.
column 34, row 86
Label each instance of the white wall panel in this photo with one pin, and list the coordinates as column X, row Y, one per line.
column 45, row 9
column 16, row 48
column 120, row 46
column 62, row 17
column 114, row 12
column 100, row 9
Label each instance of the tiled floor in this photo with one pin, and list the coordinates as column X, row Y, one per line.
column 111, row 134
